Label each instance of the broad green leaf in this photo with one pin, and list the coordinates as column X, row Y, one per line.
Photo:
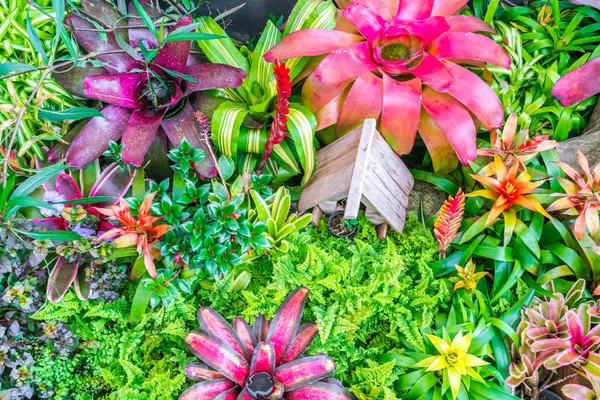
column 302, row 124
column 285, row 157
column 127, row 48
column 527, row 237
column 261, row 71
column 226, row 123
column 443, row 183
column 226, row 167
column 570, row 258
column 475, row 229
column 510, row 220
column 70, row 114
column 221, row 51
column 32, row 183
column 18, row 202
column 252, row 140
column 140, row 302
column 9, row 67
column 261, row 206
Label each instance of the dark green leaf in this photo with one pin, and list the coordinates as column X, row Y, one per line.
column 71, row 114
column 140, row 303
column 178, row 75
column 191, row 36
column 87, row 200
column 18, row 202
column 8, row 67
column 61, row 236
column 146, row 18
column 35, row 39
column 37, row 180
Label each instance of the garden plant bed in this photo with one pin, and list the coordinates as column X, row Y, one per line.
column 212, row 201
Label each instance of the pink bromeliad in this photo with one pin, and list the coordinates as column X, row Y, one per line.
column 397, row 59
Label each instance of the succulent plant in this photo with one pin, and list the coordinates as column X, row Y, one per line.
column 260, row 363
column 392, row 59
column 146, row 93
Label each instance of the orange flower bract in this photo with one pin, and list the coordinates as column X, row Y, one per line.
column 507, row 189
column 139, row 231
column 582, row 196
column 448, row 220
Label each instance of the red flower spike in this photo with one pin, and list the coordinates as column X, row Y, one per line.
column 278, row 127
column 448, row 221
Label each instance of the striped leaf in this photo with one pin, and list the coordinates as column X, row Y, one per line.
column 224, row 51
column 283, row 154
column 247, row 162
column 226, row 123
column 301, row 125
column 261, row 71
column 252, row 140
column 308, row 14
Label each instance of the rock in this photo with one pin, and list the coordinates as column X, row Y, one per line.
column 429, row 195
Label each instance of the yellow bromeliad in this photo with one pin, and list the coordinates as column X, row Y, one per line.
column 469, row 277
column 453, row 360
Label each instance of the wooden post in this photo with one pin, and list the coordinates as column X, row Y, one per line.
column 359, row 174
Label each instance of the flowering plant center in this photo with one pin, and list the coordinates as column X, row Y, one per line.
column 509, row 191
column 395, row 52
column 260, row 385
column 157, row 92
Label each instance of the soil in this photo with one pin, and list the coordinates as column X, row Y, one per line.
column 337, row 226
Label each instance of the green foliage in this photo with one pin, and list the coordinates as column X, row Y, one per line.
column 367, row 297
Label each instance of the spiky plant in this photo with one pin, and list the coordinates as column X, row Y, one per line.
column 260, row 363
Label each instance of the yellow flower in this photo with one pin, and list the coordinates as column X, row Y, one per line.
column 469, row 277
column 453, row 359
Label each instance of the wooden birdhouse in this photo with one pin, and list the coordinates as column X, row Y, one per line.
column 361, row 167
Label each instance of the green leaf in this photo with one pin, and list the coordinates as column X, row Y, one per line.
column 528, row 238
column 18, row 202
column 285, row 157
column 8, row 67
column 32, row 183
column 261, row 71
column 71, row 114
column 221, row 51
column 176, row 74
column 146, row 18
column 302, row 124
column 35, row 39
column 61, row 236
column 510, row 220
column 140, row 302
column 191, row 36
column 226, row 122
column 226, row 167
column 87, row 200
column 475, row 229
column 127, row 48
column 443, row 183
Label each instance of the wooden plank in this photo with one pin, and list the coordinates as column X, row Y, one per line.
column 335, row 164
column 361, row 166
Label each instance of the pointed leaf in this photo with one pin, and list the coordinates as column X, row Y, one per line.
column 304, row 371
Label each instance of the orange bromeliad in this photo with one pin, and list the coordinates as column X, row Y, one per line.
column 514, row 147
column 448, row 220
column 582, row 196
column 139, row 231
column 507, row 190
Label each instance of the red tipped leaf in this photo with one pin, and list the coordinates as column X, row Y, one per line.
column 468, row 46
column 200, row 372
column 400, row 115
column 60, row 279
column 363, row 101
column 306, row 335
column 284, row 326
column 139, row 134
column 207, row 390
column 346, row 63
column 304, row 371
column 212, row 322
column 218, row 355
column 579, row 84
column 263, row 359
column 245, row 334
column 261, row 328
column 320, row 391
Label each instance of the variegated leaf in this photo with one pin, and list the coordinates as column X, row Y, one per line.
column 285, row 157
column 261, row 71
column 301, row 125
column 226, row 124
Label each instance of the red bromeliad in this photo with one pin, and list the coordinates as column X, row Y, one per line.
column 82, row 218
column 582, row 196
column 146, row 96
column 448, row 220
column 260, row 363
column 582, row 82
column 140, row 231
column 397, row 59
column 278, row 127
